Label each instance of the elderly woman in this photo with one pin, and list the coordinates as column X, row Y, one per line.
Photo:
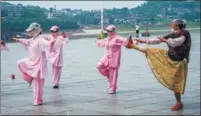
column 109, row 65
column 34, row 68
column 170, row 67
column 55, row 54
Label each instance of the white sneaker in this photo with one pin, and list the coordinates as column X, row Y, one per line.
column 38, row 104
column 112, row 92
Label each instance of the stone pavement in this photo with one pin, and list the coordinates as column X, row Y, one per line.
column 83, row 91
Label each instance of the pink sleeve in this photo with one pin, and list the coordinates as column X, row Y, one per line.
column 48, row 38
column 45, row 44
column 61, row 41
column 65, row 40
column 101, row 43
column 120, row 41
column 25, row 43
column 153, row 41
column 4, row 47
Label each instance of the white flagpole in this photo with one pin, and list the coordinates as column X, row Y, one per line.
column 101, row 15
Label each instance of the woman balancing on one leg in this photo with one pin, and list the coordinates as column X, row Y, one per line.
column 170, row 67
column 55, row 54
column 109, row 65
column 34, row 67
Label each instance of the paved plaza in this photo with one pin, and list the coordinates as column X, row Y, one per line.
column 83, row 91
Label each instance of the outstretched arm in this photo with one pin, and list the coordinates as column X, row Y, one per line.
column 46, row 45
column 100, row 43
column 24, row 42
column 176, row 41
column 121, row 41
column 46, row 37
column 65, row 38
column 149, row 41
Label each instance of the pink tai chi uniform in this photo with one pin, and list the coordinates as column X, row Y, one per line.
column 55, row 56
column 34, row 68
column 109, row 64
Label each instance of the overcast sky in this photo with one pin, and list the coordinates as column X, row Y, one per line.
column 85, row 5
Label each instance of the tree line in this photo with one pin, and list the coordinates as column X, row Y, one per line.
column 149, row 10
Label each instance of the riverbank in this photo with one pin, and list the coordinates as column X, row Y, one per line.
column 93, row 33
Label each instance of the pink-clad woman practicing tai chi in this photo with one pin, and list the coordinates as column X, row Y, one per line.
column 109, row 65
column 55, row 55
column 34, row 68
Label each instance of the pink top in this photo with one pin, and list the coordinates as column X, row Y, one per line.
column 55, row 55
column 36, row 63
column 113, row 46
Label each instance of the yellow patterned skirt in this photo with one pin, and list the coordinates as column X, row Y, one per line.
column 171, row 74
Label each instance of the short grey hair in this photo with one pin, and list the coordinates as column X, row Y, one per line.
column 180, row 23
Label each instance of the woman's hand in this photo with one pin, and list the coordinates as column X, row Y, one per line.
column 136, row 42
column 140, row 40
column 63, row 34
column 162, row 39
column 2, row 43
column 46, row 38
column 52, row 42
column 15, row 39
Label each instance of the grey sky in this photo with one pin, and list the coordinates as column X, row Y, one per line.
column 85, row 5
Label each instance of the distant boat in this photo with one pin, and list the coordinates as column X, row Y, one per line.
column 145, row 34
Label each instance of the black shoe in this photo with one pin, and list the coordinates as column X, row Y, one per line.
column 55, row 87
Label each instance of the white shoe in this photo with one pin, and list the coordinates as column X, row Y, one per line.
column 38, row 104
column 112, row 92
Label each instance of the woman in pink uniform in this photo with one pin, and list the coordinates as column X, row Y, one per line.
column 34, row 68
column 109, row 65
column 55, row 55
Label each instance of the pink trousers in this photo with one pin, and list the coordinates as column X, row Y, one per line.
column 56, row 75
column 110, row 73
column 38, row 84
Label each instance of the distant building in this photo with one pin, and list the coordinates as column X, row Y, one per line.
column 76, row 12
column 67, row 11
column 58, row 13
column 53, row 13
